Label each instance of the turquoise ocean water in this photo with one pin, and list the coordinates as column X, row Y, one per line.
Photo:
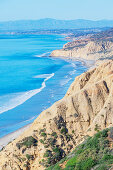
column 30, row 80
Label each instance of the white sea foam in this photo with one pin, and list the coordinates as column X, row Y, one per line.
column 42, row 76
column 73, row 65
column 62, row 83
column 42, row 55
column 72, row 72
column 14, row 100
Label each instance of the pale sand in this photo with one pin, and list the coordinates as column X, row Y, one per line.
column 10, row 137
column 88, row 63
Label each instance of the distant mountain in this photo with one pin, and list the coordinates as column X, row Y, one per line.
column 48, row 23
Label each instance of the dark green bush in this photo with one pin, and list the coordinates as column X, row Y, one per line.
column 28, row 142
column 54, row 134
column 73, row 131
column 64, row 130
column 51, row 141
column 42, row 141
column 28, row 156
column 105, row 133
column 48, row 153
column 43, row 134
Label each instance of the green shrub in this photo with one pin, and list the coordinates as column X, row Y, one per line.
column 107, row 157
column 42, row 130
column 86, row 164
column 72, row 162
column 28, row 142
column 42, row 141
column 97, row 127
column 56, row 150
column 56, row 167
column 54, row 134
column 43, row 134
column 73, row 131
column 93, row 142
column 51, row 141
column 105, row 133
column 111, row 133
column 64, row 130
column 25, row 165
column 92, row 153
column 102, row 167
column 48, row 153
column 28, row 156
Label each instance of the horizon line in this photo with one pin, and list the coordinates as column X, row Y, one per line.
column 56, row 19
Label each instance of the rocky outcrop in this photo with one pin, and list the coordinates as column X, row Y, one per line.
column 86, row 108
column 86, row 49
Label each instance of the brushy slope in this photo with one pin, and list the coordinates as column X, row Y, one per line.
column 95, row 153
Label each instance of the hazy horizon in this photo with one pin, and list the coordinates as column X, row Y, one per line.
column 56, row 19
column 14, row 10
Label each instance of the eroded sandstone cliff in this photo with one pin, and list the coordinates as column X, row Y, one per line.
column 86, row 108
column 86, row 49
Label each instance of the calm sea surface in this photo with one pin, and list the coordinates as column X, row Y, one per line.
column 30, row 80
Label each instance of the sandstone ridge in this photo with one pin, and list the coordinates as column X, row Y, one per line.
column 86, row 107
column 86, row 49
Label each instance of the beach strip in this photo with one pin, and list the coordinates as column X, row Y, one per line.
column 10, row 137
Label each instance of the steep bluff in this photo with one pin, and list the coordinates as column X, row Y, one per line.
column 86, row 49
column 86, row 108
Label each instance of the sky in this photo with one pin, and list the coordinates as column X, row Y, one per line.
column 57, row 9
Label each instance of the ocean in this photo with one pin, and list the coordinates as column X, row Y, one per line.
column 30, row 80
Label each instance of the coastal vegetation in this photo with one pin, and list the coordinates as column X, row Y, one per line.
column 27, row 142
column 95, row 152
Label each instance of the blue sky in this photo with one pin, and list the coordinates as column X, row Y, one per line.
column 58, row 9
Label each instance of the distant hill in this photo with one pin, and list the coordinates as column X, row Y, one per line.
column 48, row 23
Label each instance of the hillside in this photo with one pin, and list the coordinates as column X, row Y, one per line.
column 95, row 152
column 86, row 108
column 48, row 23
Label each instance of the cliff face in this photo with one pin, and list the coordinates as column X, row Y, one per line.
column 86, row 108
column 86, row 49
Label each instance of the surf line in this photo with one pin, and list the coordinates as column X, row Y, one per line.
column 16, row 101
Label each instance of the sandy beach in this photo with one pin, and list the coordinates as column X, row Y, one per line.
column 10, row 137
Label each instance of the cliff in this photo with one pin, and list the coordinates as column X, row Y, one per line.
column 86, row 108
column 89, row 50
column 97, row 46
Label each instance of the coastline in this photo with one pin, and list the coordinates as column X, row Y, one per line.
column 85, row 62
column 12, row 136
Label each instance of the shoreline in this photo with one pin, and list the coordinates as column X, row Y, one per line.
column 87, row 63
column 12, row 136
